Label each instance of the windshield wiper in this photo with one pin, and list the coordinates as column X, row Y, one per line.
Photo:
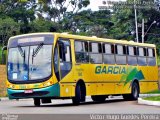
column 35, row 52
column 22, row 53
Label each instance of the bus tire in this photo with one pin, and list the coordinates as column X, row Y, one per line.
column 99, row 98
column 79, row 94
column 76, row 100
column 135, row 91
column 37, row 102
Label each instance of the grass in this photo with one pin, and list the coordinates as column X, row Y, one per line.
column 154, row 92
column 153, row 98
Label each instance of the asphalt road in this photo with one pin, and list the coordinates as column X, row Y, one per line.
column 114, row 105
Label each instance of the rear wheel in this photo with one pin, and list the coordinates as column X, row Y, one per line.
column 99, row 98
column 37, row 102
column 134, row 92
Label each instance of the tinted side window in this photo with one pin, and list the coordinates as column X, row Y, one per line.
column 121, row 54
column 151, row 57
column 132, row 58
column 119, row 49
column 142, row 56
column 81, row 52
column 95, row 52
column 108, row 54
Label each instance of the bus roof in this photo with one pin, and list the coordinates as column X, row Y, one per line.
column 83, row 38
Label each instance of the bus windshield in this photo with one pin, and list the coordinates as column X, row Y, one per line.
column 29, row 62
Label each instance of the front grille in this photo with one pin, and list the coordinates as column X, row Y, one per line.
column 34, row 94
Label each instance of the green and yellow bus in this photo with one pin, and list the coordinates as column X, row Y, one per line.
column 46, row 66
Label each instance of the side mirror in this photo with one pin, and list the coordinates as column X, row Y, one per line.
column 3, row 55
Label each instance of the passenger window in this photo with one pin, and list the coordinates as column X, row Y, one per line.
column 121, row 54
column 119, row 49
column 131, row 50
column 132, row 58
column 94, row 47
column 108, row 56
column 95, row 53
column 151, row 52
column 151, row 57
column 81, row 46
column 141, row 52
column 81, row 52
column 78, row 46
column 107, row 49
column 142, row 60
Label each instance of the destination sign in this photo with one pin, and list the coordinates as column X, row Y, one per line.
column 34, row 39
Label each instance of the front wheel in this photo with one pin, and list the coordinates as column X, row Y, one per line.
column 37, row 102
column 79, row 94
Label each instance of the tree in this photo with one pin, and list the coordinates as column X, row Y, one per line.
column 92, row 23
column 124, row 21
column 20, row 10
column 41, row 25
column 57, row 9
column 8, row 28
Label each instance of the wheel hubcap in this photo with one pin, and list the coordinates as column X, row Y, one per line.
column 135, row 92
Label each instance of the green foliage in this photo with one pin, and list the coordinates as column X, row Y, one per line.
column 123, row 25
column 88, row 22
column 153, row 98
column 26, row 16
column 41, row 25
column 5, row 55
column 57, row 9
column 8, row 28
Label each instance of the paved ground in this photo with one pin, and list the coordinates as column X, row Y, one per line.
column 112, row 106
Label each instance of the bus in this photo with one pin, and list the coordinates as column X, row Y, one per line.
column 46, row 66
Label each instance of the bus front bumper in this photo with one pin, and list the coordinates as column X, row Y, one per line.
column 51, row 91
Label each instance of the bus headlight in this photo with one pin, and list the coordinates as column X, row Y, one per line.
column 11, row 86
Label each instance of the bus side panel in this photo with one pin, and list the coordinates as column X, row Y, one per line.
column 120, row 88
column 152, row 86
column 91, row 89
column 143, row 87
column 150, row 81
column 153, row 79
column 152, row 73
column 67, row 90
column 107, row 88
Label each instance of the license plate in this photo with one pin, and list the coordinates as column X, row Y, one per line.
column 28, row 91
